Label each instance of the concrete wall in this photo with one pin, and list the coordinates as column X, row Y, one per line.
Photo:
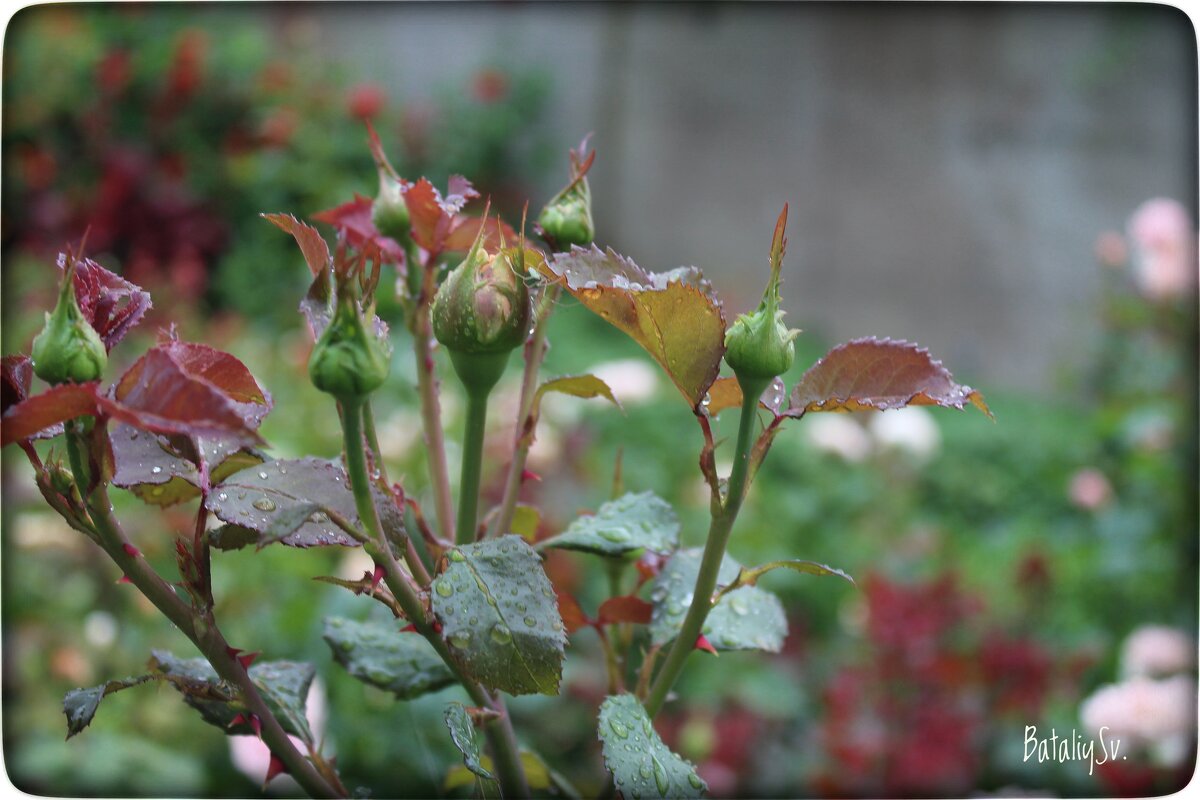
column 948, row 167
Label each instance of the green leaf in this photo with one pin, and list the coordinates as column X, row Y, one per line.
column 80, row 705
column 748, row 618
column 525, row 522
column 284, row 687
column 642, row 521
column 499, row 614
column 256, row 498
column 375, row 653
column 879, row 374
column 462, row 731
column 641, row 765
column 749, row 577
column 674, row 315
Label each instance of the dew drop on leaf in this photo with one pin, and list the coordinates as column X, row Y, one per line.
column 501, row 634
column 456, row 555
column 618, row 729
column 155, row 470
column 460, row 640
column 444, row 589
column 262, row 475
column 264, row 504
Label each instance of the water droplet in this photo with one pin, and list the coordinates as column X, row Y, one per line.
column 618, row 729
column 222, row 497
column 644, row 770
column 615, row 535
column 262, row 475
column 521, row 608
column 501, row 634
column 473, row 621
column 695, row 781
column 460, row 639
column 660, row 777
column 444, row 588
column 456, row 555
column 264, row 504
column 531, row 622
column 155, row 470
column 738, row 605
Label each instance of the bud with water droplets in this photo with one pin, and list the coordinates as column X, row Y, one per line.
column 389, row 212
column 758, row 346
column 481, row 311
column 348, row 362
column 68, row 348
column 567, row 218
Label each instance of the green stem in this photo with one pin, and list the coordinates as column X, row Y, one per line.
column 500, row 736
column 472, row 468
column 207, row 637
column 535, row 352
column 714, row 553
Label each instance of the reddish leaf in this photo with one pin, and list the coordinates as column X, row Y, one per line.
column 354, row 220
column 312, row 244
column 674, row 315
column 572, row 615
column 438, row 225
column 156, row 394
column 224, row 372
column 873, row 374
column 626, row 608
column 111, row 304
column 17, row 377
column 30, row 417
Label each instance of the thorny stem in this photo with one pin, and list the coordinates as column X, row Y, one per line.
column 472, row 468
column 714, row 553
column 535, row 351
column 427, row 389
column 202, row 632
column 499, row 732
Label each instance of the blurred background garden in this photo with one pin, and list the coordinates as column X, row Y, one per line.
column 1013, row 187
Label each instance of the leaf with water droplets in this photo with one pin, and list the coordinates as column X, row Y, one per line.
column 378, row 654
column 80, row 705
column 746, row 619
column 499, row 614
column 879, row 374
column 283, row 685
column 631, row 523
column 674, row 315
column 462, row 731
column 254, row 498
column 149, row 466
column 642, row 766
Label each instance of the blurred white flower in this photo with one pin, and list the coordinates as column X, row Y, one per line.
column 1157, row 715
column 910, row 429
column 1164, row 243
column 252, row 758
column 838, row 434
column 100, row 629
column 1156, row 650
column 1089, row 489
column 632, row 380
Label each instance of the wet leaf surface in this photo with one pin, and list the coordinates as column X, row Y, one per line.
column 377, row 653
column 499, row 615
column 462, row 732
column 642, row 521
column 641, row 764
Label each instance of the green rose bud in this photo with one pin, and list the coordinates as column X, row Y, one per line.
column 68, row 348
column 483, row 305
column 389, row 212
column 567, row 218
column 758, row 346
column 348, row 362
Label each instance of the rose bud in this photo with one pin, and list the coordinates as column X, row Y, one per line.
column 348, row 362
column 68, row 348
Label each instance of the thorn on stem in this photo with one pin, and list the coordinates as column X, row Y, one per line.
column 274, row 768
column 124, row 579
column 246, row 659
column 702, row 643
column 130, row 550
column 530, row 475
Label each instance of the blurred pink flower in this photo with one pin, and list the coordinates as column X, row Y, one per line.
column 1156, row 650
column 1164, row 242
column 251, row 756
column 1158, row 715
column 1111, row 249
column 1089, row 489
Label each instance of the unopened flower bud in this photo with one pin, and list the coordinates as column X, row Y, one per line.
column 68, row 348
column 348, row 362
column 389, row 212
column 483, row 305
column 567, row 218
column 758, row 346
